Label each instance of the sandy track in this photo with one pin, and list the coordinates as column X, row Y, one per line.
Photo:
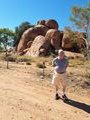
column 25, row 97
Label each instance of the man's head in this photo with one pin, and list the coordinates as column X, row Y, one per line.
column 61, row 54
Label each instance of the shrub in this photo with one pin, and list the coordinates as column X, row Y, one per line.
column 41, row 65
column 2, row 56
column 10, row 58
column 28, row 63
column 23, row 59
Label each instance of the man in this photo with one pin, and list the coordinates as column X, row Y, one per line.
column 60, row 64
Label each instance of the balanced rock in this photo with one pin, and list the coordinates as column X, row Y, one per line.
column 52, row 24
column 41, row 22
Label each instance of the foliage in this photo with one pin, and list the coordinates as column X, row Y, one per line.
column 41, row 65
column 28, row 63
column 19, row 31
column 76, row 38
column 81, row 18
column 6, row 31
column 2, row 56
column 1, row 48
column 23, row 59
column 6, row 36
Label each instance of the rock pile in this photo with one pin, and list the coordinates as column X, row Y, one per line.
column 44, row 38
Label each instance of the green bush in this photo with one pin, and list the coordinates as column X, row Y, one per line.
column 23, row 59
column 28, row 63
column 41, row 65
column 10, row 58
column 2, row 56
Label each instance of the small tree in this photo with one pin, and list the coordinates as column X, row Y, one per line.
column 4, row 41
column 81, row 18
column 6, row 35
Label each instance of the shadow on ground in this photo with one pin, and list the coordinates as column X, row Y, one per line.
column 79, row 105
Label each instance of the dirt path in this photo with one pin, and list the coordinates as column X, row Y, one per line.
column 24, row 97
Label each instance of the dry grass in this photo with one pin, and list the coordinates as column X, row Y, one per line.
column 75, row 64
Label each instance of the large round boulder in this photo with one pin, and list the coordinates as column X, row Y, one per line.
column 73, row 41
column 52, row 24
column 54, row 37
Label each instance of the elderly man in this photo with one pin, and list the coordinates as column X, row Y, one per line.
column 60, row 64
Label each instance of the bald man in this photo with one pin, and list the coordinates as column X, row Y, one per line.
column 60, row 64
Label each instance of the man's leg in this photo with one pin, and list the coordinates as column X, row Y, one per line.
column 56, row 86
column 64, row 86
column 56, row 92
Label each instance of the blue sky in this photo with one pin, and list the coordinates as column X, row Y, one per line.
column 13, row 12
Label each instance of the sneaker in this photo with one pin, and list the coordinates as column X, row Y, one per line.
column 64, row 97
column 56, row 96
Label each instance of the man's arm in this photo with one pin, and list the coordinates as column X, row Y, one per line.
column 54, row 62
column 67, row 62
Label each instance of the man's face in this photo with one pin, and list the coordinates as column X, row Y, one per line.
column 61, row 55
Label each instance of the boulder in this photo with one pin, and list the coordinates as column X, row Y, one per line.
column 29, row 35
column 73, row 55
column 61, row 37
column 73, row 41
column 66, row 41
column 41, row 22
column 52, row 24
column 38, row 47
column 29, row 44
column 54, row 37
column 81, row 40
